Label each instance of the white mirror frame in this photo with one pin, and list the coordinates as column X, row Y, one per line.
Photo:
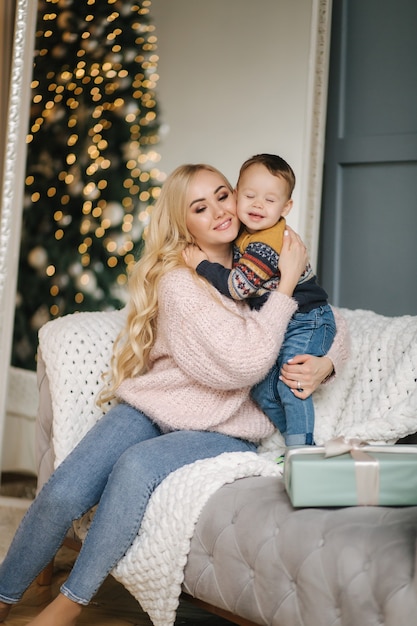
column 13, row 183
column 316, row 108
column 15, row 160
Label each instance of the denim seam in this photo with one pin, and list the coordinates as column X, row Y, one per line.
column 67, row 593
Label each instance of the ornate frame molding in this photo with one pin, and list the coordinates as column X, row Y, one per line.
column 316, row 123
column 13, row 179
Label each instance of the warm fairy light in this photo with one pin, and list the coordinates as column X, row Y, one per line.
column 145, row 196
column 111, row 246
column 85, row 227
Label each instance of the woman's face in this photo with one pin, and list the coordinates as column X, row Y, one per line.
column 211, row 211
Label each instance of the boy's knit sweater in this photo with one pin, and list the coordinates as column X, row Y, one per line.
column 255, row 271
column 209, row 352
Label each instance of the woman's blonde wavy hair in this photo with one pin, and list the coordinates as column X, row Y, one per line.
column 165, row 240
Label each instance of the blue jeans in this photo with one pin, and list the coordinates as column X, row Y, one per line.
column 307, row 333
column 118, row 464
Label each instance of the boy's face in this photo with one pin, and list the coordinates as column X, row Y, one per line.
column 262, row 198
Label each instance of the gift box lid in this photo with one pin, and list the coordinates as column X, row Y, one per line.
column 384, row 475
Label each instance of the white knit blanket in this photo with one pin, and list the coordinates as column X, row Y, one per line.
column 153, row 568
column 375, row 398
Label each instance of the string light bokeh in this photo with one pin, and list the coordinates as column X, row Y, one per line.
column 92, row 171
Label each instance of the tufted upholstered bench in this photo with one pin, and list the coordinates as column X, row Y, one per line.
column 253, row 558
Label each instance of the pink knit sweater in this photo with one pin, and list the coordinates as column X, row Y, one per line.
column 209, row 352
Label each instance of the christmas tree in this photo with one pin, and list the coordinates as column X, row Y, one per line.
column 91, row 173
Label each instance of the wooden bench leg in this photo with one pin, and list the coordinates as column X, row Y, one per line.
column 45, row 577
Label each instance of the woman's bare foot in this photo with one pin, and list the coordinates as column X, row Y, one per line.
column 4, row 610
column 61, row 612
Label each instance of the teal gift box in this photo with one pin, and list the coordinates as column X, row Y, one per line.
column 319, row 476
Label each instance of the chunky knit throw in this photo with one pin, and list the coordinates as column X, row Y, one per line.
column 374, row 398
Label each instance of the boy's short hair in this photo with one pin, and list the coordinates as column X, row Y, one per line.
column 274, row 164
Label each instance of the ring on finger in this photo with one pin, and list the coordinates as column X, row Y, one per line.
column 299, row 385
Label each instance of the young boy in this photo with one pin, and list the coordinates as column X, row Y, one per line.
column 264, row 190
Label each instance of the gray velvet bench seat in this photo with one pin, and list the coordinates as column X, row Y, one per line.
column 256, row 557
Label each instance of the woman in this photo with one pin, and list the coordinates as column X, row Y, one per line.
column 182, row 395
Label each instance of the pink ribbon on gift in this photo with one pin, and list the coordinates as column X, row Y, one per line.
column 366, row 467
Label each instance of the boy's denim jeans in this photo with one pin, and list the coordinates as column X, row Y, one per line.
column 118, row 464
column 307, row 333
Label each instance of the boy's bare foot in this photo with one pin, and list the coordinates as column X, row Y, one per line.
column 4, row 610
column 61, row 612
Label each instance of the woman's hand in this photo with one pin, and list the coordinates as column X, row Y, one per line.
column 193, row 255
column 304, row 373
column 292, row 261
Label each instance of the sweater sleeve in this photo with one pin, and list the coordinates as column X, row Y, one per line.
column 216, row 274
column 217, row 342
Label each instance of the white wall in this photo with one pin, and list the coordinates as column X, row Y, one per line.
column 233, row 82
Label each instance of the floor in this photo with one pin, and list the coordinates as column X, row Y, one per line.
column 112, row 606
